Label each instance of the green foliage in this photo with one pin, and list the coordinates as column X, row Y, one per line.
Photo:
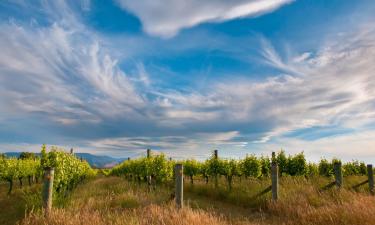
column 282, row 162
column 69, row 170
column 9, row 169
column 296, row 165
column 229, row 168
column 43, row 154
column 362, row 168
column 312, row 170
column 12, row 168
column 192, row 168
column 214, row 166
column 265, row 163
column 251, row 166
column 325, row 168
column 105, row 172
column 156, row 166
column 161, row 168
column 204, row 170
column 354, row 168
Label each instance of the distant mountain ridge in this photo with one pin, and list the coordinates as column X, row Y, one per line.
column 96, row 161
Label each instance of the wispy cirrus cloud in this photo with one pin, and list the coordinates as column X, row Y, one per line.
column 332, row 87
column 62, row 81
column 197, row 145
column 166, row 18
column 62, row 70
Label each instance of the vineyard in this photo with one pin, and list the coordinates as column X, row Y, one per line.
column 69, row 170
column 215, row 191
column 160, row 169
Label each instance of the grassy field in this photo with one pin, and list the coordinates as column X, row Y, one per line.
column 14, row 206
column 113, row 200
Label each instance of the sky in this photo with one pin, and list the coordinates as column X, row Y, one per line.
column 184, row 77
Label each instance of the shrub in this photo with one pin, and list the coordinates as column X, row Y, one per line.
column 251, row 166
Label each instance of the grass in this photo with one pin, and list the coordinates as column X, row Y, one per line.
column 113, row 200
column 116, row 201
column 15, row 206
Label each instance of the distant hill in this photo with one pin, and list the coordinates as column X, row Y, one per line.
column 96, row 161
column 100, row 161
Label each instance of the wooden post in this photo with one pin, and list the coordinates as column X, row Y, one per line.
column 128, row 158
column 71, row 151
column 275, row 180
column 48, row 189
column 216, row 155
column 149, row 175
column 179, row 171
column 338, row 174
column 370, row 174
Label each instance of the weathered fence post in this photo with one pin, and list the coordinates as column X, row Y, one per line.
column 149, row 175
column 128, row 158
column 48, row 189
column 338, row 174
column 179, row 195
column 216, row 156
column 370, row 174
column 275, row 179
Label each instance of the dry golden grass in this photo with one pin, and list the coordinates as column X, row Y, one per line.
column 152, row 214
column 14, row 206
column 336, row 207
column 115, row 201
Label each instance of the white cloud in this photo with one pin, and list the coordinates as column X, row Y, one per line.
column 165, row 18
column 63, row 72
column 333, row 87
column 302, row 57
column 198, row 145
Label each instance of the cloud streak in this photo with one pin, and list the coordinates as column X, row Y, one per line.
column 166, row 18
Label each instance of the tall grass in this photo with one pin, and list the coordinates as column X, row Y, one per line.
column 328, row 208
column 152, row 214
column 14, row 206
column 116, row 201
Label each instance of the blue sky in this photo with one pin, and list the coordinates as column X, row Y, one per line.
column 186, row 77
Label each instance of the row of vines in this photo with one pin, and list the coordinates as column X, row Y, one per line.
column 69, row 170
column 161, row 169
